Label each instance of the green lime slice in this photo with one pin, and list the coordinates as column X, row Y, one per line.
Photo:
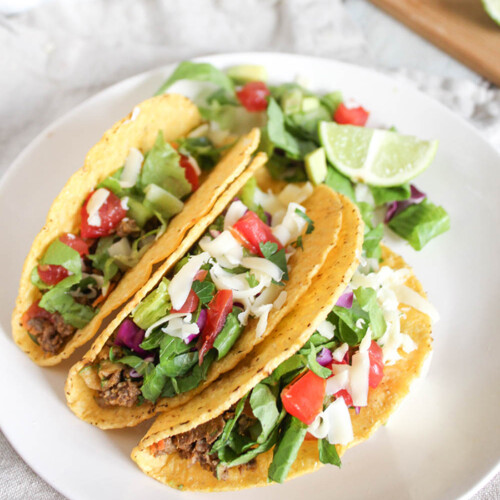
column 377, row 157
column 492, row 7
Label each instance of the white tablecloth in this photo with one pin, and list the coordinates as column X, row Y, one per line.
column 58, row 54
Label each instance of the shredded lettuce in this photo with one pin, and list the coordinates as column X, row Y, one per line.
column 201, row 72
column 153, row 307
column 339, row 183
column 420, row 223
column 59, row 254
column 383, row 195
column 161, row 167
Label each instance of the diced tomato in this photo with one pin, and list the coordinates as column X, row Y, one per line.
column 253, row 96
column 76, row 243
column 344, row 394
column 111, row 214
column 376, row 365
column 218, row 309
column 350, row 116
column 249, row 230
column 34, row 311
column 303, row 398
column 52, row 274
column 310, row 437
column 200, row 275
column 190, row 305
column 190, row 171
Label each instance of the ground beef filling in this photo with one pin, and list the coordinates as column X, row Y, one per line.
column 50, row 333
column 195, row 445
column 128, row 227
column 114, row 382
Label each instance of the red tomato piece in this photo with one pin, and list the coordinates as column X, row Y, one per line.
column 376, row 365
column 303, row 398
column 200, row 275
column 190, row 305
column 111, row 214
column 249, row 230
column 350, row 116
column 76, row 243
column 190, row 171
column 34, row 311
column 218, row 309
column 344, row 394
column 253, row 96
column 310, row 437
column 52, row 274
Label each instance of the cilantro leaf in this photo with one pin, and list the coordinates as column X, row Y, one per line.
column 310, row 223
column 270, row 252
column 205, row 290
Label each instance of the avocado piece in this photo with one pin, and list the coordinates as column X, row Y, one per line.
column 309, row 104
column 316, row 166
column 139, row 212
column 332, row 100
column 291, row 101
column 247, row 193
column 245, row 73
column 162, row 201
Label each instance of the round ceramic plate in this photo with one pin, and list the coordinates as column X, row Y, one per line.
column 442, row 443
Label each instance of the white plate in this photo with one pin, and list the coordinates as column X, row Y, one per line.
column 444, row 441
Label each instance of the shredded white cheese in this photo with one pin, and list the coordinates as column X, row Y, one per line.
column 334, row 423
column 96, row 201
column 180, row 285
column 132, row 168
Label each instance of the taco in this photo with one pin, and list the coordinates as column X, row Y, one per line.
column 111, row 223
column 237, row 273
column 324, row 380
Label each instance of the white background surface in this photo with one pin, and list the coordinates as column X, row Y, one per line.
column 54, row 60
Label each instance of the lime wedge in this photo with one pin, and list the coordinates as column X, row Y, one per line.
column 377, row 157
column 492, row 7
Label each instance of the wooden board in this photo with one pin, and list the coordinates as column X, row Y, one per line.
column 459, row 27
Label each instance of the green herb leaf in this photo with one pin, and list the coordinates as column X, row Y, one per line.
column 201, row 72
column 339, row 183
column 202, row 150
column 298, row 243
column 310, row 223
column 263, row 403
column 328, row 453
column 286, row 450
column 420, row 223
column 204, row 289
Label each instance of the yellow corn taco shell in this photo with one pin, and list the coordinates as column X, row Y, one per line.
column 323, row 207
column 382, row 401
column 173, row 114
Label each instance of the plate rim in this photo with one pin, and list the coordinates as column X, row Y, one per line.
column 215, row 57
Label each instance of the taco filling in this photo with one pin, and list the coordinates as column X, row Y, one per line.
column 235, row 273
column 308, row 396
column 120, row 219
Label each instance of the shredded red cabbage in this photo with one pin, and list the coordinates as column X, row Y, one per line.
column 395, row 207
column 130, row 335
column 324, row 358
column 268, row 218
column 345, row 300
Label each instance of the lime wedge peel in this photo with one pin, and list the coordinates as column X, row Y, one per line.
column 492, row 8
column 374, row 156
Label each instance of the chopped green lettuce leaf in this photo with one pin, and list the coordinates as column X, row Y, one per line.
column 383, row 195
column 229, row 334
column 328, row 453
column 201, row 72
column 153, row 307
column 161, row 167
column 59, row 254
column 420, row 223
column 339, row 183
